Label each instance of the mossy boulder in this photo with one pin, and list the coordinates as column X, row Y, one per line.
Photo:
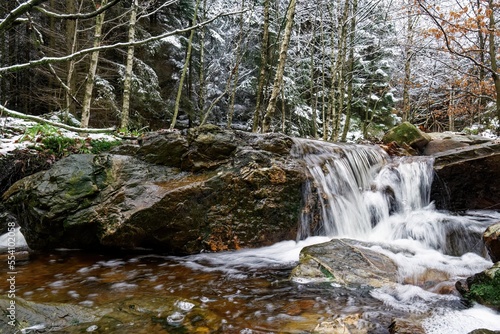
column 483, row 287
column 182, row 193
column 407, row 134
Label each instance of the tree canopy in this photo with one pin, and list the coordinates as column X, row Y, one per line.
column 336, row 70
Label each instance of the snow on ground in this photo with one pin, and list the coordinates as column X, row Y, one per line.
column 12, row 131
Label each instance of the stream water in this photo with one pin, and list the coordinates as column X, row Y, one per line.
column 360, row 193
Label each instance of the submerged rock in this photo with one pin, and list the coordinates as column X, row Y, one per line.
column 43, row 317
column 406, row 326
column 491, row 239
column 346, row 262
column 483, row 287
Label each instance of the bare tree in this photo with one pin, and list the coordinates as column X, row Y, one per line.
column 278, row 79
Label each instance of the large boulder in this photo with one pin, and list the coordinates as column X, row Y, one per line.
column 207, row 189
column 491, row 238
column 346, row 262
column 466, row 178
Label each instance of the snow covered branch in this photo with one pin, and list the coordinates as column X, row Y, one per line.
column 77, row 16
column 16, row 114
column 51, row 60
column 13, row 17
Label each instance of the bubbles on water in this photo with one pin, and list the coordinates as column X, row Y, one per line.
column 111, row 263
column 73, row 294
column 123, row 286
column 57, row 284
column 87, row 303
column 175, row 319
column 463, row 321
column 409, row 298
column 184, row 305
column 92, row 328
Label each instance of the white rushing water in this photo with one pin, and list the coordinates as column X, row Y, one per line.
column 364, row 194
column 360, row 192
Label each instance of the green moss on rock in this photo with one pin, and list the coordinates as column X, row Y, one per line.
column 407, row 134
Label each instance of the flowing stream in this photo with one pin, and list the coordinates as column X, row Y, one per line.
column 356, row 192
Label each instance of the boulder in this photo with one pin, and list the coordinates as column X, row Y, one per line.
column 491, row 238
column 407, row 134
column 346, row 262
column 465, row 178
column 442, row 145
column 483, row 287
column 206, row 189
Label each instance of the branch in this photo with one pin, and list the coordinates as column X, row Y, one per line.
column 448, row 44
column 14, row 15
column 77, row 16
column 40, row 120
column 51, row 60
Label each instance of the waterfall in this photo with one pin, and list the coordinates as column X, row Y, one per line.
column 358, row 191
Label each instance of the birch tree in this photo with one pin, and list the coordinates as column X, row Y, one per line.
column 278, row 79
column 127, row 82
column 184, row 68
column 94, row 59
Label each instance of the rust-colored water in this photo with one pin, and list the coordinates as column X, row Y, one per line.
column 240, row 300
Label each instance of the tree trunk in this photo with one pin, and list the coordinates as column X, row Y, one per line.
column 493, row 58
column 184, row 68
column 127, row 83
column 408, row 58
column 350, row 70
column 202, row 84
column 278, row 79
column 94, row 59
column 71, row 42
column 341, row 72
column 239, row 54
column 263, row 68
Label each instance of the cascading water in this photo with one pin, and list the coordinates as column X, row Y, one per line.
column 360, row 192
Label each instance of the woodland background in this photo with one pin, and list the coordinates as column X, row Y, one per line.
column 331, row 69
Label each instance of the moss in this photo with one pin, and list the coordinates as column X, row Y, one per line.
column 484, row 287
column 326, row 272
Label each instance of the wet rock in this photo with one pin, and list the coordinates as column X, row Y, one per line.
column 156, row 315
column 484, row 331
column 345, row 262
column 459, row 137
column 163, row 148
column 407, row 134
column 483, row 287
column 44, row 317
column 247, row 194
column 442, row 145
column 348, row 324
column 491, row 238
column 464, row 178
column 406, row 326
